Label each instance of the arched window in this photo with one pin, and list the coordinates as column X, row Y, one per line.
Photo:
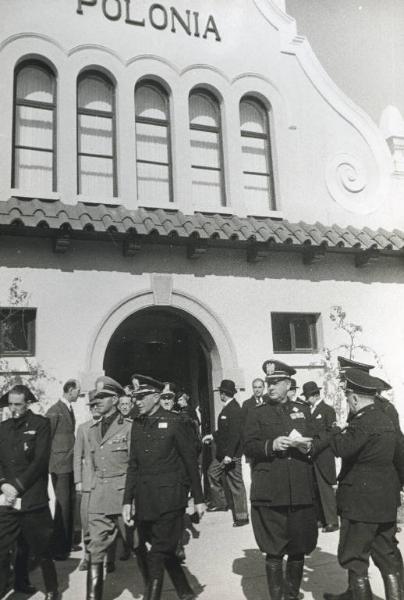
column 153, row 155
column 206, row 150
column 256, row 151
column 34, row 139
column 96, row 152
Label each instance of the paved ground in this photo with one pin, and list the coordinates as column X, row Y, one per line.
column 223, row 563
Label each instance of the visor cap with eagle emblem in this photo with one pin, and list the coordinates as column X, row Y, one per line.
column 275, row 369
column 106, row 386
column 347, row 363
column 147, row 385
column 360, row 382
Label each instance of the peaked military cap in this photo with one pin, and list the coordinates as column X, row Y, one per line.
column 359, row 381
column 147, row 385
column 382, row 386
column 347, row 363
column 277, row 369
column 106, row 386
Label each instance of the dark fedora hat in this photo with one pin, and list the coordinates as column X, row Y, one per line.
column 228, row 387
column 310, row 388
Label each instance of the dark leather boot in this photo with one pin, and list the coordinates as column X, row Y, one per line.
column 360, row 587
column 273, row 568
column 392, row 586
column 4, row 575
column 293, row 578
column 22, row 583
column 95, row 581
column 154, row 589
column 50, row 578
column 180, row 582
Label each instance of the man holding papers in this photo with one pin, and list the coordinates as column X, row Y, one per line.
column 277, row 437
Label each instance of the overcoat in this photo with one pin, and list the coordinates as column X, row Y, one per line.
column 324, row 418
column 372, row 468
column 278, row 478
column 162, row 466
column 24, row 458
column 83, row 472
column 228, row 434
column 109, row 462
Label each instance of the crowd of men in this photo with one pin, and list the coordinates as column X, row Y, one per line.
column 133, row 467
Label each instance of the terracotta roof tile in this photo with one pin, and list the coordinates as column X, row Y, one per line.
column 159, row 222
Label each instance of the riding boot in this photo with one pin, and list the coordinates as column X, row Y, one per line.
column 95, row 580
column 21, row 576
column 293, row 578
column 360, row 587
column 154, row 588
column 180, row 582
column 392, row 586
column 50, row 578
column 141, row 557
column 273, row 567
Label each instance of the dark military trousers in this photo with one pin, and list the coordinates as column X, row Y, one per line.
column 281, row 530
column 359, row 541
column 35, row 528
column 163, row 535
column 221, row 475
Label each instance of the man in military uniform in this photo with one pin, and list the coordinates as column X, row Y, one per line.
column 24, row 510
column 368, row 493
column 109, row 440
column 282, row 510
column 162, row 467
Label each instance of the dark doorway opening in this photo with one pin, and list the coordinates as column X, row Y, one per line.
column 167, row 344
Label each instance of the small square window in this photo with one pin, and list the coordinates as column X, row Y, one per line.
column 294, row 332
column 17, row 331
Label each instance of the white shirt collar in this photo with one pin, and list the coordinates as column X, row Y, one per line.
column 314, row 406
column 67, row 403
column 228, row 401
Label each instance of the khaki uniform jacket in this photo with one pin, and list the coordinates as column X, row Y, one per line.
column 109, row 461
column 62, row 435
column 83, row 472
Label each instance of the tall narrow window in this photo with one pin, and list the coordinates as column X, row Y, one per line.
column 206, row 150
column 256, row 152
column 153, row 156
column 96, row 156
column 34, row 153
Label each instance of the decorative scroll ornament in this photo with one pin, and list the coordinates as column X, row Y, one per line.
column 347, row 182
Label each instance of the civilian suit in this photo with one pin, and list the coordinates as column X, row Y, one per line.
column 227, row 462
column 324, row 418
column 257, row 398
column 62, row 422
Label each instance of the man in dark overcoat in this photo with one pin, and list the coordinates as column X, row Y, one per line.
column 282, row 494
column 325, row 474
column 257, row 398
column 24, row 508
column 162, row 466
column 226, row 466
column 62, row 422
column 368, row 492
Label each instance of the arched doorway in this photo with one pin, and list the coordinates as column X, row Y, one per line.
column 166, row 343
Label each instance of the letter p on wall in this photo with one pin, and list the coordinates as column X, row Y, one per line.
column 81, row 3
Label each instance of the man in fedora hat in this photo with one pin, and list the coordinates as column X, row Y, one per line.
column 227, row 462
column 325, row 474
column 109, row 442
column 162, row 467
column 24, row 502
column 368, row 494
column 282, row 511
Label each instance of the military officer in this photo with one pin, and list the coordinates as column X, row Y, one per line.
column 162, row 467
column 109, row 441
column 282, row 492
column 24, row 511
column 368, row 492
